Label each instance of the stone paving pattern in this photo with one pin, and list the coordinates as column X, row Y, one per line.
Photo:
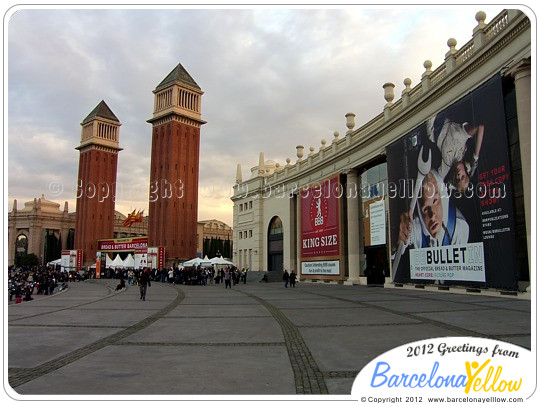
column 255, row 339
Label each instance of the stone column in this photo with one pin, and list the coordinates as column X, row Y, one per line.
column 353, row 229
column 293, row 238
column 64, row 232
column 12, row 235
column 522, row 81
column 298, row 220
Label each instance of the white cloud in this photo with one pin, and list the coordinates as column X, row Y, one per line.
column 272, row 79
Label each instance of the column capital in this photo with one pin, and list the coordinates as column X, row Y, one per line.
column 350, row 172
column 520, row 69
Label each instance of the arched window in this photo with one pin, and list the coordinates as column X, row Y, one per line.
column 21, row 248
column 275, row 245
column 276, row 226
column 21, row 244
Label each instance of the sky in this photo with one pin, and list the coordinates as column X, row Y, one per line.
column 272, row 77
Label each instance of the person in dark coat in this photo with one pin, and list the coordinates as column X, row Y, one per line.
column 144, row 282
column 286, row 278
column 292, row 278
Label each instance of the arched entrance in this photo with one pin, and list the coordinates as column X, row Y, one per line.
column 53, row 246
column 275, row 245
column 21, row 248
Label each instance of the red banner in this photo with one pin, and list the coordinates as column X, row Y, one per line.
column 320, row 220
column 79, row 258
column 161, row 257
column 123, row 244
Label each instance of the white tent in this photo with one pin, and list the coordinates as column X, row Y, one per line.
column 221, row 261
column 117, row 262
column 129, row 262
column 55, row 262
column 197, row 261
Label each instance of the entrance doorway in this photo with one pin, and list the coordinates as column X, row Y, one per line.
column 275, row 245
column 377, row 264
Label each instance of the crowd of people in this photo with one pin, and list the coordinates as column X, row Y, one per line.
column 187, row 275
column 24, row 282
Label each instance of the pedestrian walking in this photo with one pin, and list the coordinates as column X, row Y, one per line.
column 144, row 282
column 292, row 278
column 227, row 278
column 286, row 278
column 131, row 276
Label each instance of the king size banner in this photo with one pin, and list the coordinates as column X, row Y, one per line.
column 320, row 234
column 450, row 196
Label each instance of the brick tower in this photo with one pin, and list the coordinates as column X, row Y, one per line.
column 98, row 160
column 174, row 168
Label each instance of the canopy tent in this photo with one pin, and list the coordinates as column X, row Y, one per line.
column 129, row 261
column 198, row 262
column 221, row 261
column 55, row 262
column 117, row 262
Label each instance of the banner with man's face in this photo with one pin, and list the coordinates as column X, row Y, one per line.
column 450, row 196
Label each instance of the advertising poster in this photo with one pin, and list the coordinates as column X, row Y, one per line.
column 98, row 264
column 377, row 223
column 152, row 257
column 141, row 258
column 450, row 196
column 320, row 239
column 71, row 259
column 64, row 261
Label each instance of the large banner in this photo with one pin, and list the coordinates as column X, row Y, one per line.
column 122, row 244
column 450, row 196
column 320, row 234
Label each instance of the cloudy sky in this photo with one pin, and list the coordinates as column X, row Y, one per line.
column 273, row 78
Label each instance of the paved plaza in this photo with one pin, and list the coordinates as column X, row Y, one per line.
column 256, row 338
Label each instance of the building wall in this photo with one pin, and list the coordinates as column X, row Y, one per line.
column 278, row 204
column 212, row 229
column 34, row 222
column 501, row 46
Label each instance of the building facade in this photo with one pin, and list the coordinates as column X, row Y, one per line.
column 217, row 230
column 377, row 223
column 43, row 229
column 174, row 167
column 40, row 228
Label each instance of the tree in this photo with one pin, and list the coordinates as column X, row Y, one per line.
column 28, row 259
column 227, row 248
